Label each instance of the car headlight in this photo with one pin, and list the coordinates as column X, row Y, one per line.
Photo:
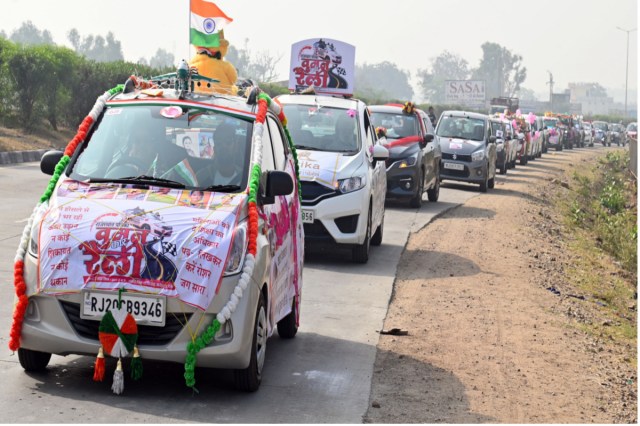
column 477, row 156
column 33, row 240
column 238, row 250
column 351, row 184
column 409, row 161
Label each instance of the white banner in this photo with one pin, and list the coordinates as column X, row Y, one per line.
column 465, row 92
column 327, row 65
column 158, row 240
column 321, row 167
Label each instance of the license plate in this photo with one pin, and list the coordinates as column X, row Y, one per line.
column 146, row 309
column 454, row 166
column 307, row 216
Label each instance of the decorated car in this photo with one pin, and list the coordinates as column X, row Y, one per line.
column 468, row 150
column 413, row 166
column 171, row 230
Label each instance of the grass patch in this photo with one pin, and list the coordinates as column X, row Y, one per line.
column 600, row 213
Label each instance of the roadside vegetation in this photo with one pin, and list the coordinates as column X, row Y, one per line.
column 600, row 211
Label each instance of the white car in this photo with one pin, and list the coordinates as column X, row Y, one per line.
column 588, row 134
column 342, row 172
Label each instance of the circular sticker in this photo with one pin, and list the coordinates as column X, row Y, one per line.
column 171, row 112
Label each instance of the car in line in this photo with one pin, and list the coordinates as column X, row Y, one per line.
column 468, row 151
column 497, row 129
column 631, row 132
column 342, row 172
column 602, row 134
column 222, row 266
column 588, row 133
column 413, row 166
column 552, row 132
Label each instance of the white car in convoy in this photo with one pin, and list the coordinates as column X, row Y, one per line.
column 342, row 172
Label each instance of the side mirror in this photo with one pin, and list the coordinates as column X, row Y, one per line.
column 49, row 161
column 380, row 153
column 492, row 139
column 276, row 183
column 428, row 137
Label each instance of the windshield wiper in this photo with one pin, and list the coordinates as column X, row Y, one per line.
column 222, row 188
column 308, row 148
column 141, row 178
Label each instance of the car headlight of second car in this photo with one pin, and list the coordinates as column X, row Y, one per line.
column 408, row 162
column 238, row 249
column 351, row 184
column 477, row 156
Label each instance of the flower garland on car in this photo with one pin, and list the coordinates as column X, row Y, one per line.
column 18, row 274
column 264, row 103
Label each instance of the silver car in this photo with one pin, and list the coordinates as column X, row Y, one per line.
column 468, row 149
column 213, row 276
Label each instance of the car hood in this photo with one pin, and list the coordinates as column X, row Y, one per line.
column 92, row 238
column 326, row 168
column 458, row 146
column 402, row 148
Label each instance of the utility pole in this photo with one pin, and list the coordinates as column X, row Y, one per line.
column 550, row 83
column 626, row 77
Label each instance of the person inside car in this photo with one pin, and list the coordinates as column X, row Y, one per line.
column 344, row 136
column 225, row 167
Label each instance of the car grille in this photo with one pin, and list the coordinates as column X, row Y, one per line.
column 313, row 192
column 459, row 157
column 456, row 173
column 147, row 334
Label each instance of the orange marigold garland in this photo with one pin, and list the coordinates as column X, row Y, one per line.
column 18, row 275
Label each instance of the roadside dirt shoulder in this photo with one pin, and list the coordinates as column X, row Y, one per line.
column 487, row 341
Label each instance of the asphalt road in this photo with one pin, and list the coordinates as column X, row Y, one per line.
column 321, row 376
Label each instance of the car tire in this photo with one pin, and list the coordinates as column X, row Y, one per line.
column 376, row 239
column 434, row 193
column 484, row 184
column 491, row 183
column 503, row 168
column 33, row 360
column 523, row 160
column 416, row 200
column 248, row 379
column 287, row 326
column 360, row 253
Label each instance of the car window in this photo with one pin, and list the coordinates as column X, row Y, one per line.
column 320, row 128
column 461, row 127
column 398, row 125
column 268, row 162
column 279, row 147
column 193, row 147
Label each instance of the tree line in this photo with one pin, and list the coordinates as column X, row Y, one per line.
column 40, row 80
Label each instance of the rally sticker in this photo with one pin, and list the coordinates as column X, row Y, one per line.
column 114, row 111
column 171, row 112
column 455, row 145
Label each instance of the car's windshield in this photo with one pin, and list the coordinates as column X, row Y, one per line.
column 194, row 148
column 398, row 125
column 632, row 127
column 600, row 125
column 323, row 128
column 496, row 129
column 461, row 127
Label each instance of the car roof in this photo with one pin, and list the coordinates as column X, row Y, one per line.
column 324, row 100
column 456, row 113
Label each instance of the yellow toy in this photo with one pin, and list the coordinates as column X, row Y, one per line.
column 209, row 61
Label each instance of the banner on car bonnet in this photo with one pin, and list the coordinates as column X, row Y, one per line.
column 320, row 167
column 326, row 65
column 154, row 240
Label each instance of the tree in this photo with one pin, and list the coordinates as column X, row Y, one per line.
column 446, row 66
column 260, row 67
column 98, row 48
column 501, row 70
column 58, row 77
column 29, row 35
column 162, row 59
column 527, row 94
column 383, row 81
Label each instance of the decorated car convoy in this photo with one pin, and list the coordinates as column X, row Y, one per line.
column 170, row 230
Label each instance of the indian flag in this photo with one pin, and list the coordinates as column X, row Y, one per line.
column 184, row 170
column 206, row 22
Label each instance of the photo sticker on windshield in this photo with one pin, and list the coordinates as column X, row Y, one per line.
column 114, row 111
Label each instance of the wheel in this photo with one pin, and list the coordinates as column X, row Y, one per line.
column 248, row 379
column 360, row 253
column 434, row 193
column 33, row 360
column 483, row 185
column 523, row 160
column 416, row 200
column 492, row 182
column 376, row 240
column 503, row 168
column 287, row 326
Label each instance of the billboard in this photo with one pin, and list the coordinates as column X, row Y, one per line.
column 327, row 65
column 465, row 92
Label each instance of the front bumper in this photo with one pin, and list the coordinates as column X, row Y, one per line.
column 402, row 183
column 475, row 171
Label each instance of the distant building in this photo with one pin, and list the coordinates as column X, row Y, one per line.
column 593, row 98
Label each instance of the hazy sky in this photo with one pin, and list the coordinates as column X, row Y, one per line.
column 576, row 40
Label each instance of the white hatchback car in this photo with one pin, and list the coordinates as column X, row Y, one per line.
column 342, row 171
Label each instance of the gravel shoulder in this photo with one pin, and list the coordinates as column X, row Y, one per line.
column 487, row 341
